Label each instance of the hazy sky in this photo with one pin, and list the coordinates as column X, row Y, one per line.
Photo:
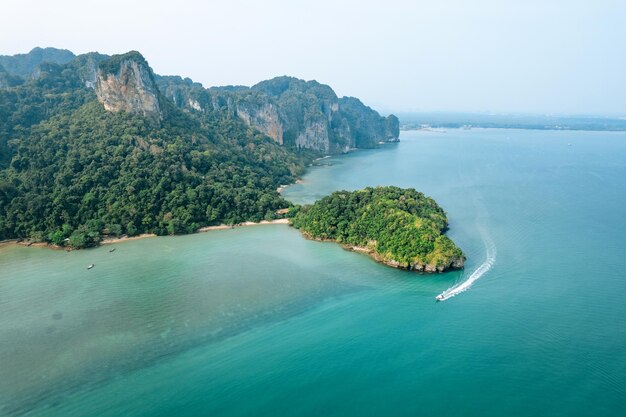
column 548, row 56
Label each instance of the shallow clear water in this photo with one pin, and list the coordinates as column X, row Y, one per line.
column 258, row 321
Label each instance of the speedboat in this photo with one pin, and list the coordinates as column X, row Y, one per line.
column 91, row 266
column 439, row 297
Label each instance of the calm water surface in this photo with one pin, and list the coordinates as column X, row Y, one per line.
column 258, row 321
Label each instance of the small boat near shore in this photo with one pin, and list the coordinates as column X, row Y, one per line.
column 112, row 250
column 91, row 266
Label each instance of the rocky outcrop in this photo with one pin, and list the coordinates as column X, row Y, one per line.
column 293, row 112
column 126, row 83
column 368, row 126
column 264, row 117
column 86, row 67
column 184, row 93
column 392, row 128
column 306, row 111
column 296, row 113
column 453, row 263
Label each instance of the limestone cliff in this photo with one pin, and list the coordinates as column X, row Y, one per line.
column 264, row 116
column 308, row 112
column 126, row 83
column 86, row 67
column 296, row 113
column 368, row 126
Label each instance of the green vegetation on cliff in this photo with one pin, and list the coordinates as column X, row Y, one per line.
column 400, row 227
column 94, row 146
column 296, row 113
column 112, row 65
column 72, row 172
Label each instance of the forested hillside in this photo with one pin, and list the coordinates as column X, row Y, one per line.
column 73, row 172
column 96, row 145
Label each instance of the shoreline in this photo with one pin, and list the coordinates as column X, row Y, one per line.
column 111, row 240
column 244, row 224
column 9, row 242
column 122, row 239
column 425, row 269
column 282, row 188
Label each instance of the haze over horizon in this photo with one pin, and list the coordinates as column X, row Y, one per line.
column 561, row 57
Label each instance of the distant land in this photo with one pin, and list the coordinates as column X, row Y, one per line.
column 411, row 121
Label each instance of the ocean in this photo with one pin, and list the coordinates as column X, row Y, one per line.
column 257, row 321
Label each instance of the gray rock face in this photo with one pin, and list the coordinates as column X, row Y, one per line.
column 264, row 117
column 306, row 110
column 126, row 83
column 293, row 112
column 86, row 67
column 368, row 126
column 314, row 135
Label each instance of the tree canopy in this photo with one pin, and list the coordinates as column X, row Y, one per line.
column 71, row 172
column 401, row 227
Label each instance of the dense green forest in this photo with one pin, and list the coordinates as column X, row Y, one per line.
column 96, row 145
column 71, row 172
column 401, row 227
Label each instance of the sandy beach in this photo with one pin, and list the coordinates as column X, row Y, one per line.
column 110, row 240
column 8, row 242
column 244, row 224
column 121, row 239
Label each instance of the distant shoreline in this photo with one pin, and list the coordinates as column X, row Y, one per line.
column 462, row 120
column 122, row 239
column 443, row 128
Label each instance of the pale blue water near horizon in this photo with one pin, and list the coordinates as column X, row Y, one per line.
column 258, row 321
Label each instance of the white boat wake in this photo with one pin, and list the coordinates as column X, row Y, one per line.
column 479, row 272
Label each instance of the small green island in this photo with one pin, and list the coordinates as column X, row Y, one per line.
column 398, row 227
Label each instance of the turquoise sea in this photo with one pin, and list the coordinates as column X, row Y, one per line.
column 258, row 321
